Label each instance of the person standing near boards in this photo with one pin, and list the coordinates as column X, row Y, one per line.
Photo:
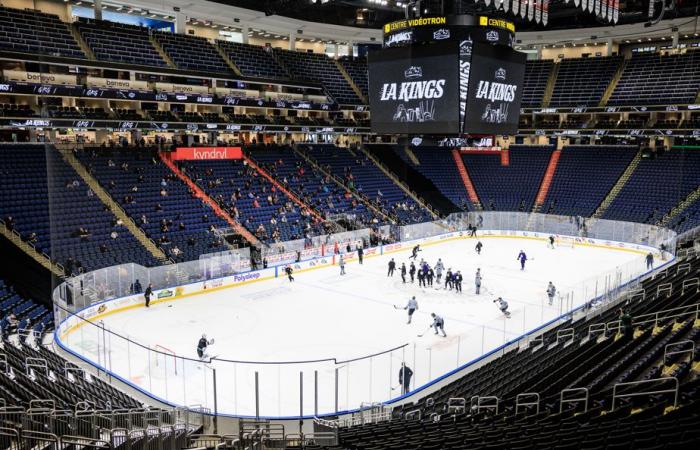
column 147, row 295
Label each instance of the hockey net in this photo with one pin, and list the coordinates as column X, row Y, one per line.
column 565, row 241
column 164, row 360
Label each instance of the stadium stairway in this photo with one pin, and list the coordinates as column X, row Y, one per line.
column 350, row 81
column 547, row 180
column 199, row 192
column 682, row 206
column 423, row 186
column 161, row 51
column 40, row 257
column 411, row 156
column 466, row 180
column 361, row 198
column 613, row 83
column 113, row 206
column 234, row 68
column 392, row 176
column 81, row 42
column 283, row 189
column 549, row 88
column 607, row 201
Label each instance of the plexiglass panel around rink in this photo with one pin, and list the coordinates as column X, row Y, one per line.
column 324, row 387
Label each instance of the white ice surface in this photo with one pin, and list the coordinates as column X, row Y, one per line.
column 324, row 315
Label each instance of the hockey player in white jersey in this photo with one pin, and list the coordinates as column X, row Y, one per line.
column 439, row 267
column 411, row 306
column 551, row 292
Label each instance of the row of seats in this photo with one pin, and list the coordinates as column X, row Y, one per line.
column 38, row 199
column 253, row 60
column 32, row 31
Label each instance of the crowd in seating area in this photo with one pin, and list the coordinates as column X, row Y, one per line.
column 157, row 200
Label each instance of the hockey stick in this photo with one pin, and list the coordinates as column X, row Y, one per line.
column 426, row 330
column 397, row 307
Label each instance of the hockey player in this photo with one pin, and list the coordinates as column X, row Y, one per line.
column 650, row 260
column 522, row 257
column 503, row 306
column 341, row 263
column 360, row 253
column 421, row 278
column 448, row 279
column 392, row 266
column 147, row 295
column 288, row 270
column 412, row 306
column 438, row 324
column 414, row 252
column 403, row 272
column 477, row 281
column 551, row 292
column 458, row 281
column 202, row 346
column 551, row 241
column 412, row 271
column 431, row 275
column 439, row 267
column 478, row 247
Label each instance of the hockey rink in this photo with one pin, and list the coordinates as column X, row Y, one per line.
column 334, row 322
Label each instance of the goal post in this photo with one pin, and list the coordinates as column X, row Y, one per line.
column 565, row 241
column 166, row 358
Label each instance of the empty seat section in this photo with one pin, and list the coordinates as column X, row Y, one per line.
column 582, row 81
column 192, row 53
column 31, row 31
column 121, row 43
column 536, row 75
column 253, row 60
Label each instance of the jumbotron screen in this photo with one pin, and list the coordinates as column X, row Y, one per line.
column 446, row 88
column 414, row 90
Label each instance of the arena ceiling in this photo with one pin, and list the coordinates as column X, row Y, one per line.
column 374, row 13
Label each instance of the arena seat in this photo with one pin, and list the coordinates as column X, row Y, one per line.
column 657, row 185
column 251, row 199
column 512, row 187
column 31, row 31
column 307, row 183
column 437, row 164
column 47, row 209
column 192, row 53
column 253, row 60
column 572, row 192
column 187, row 219
column 582, row 81
column 536, row 75
column 120, row 43
column 654, row 79
column 357, row 69
column 369, row 180
column 318, row 68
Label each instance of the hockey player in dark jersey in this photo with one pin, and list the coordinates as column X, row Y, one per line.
column 522, row 257
column 403, row 272
column 392, row 266
column 202, row 346
column 414, row 252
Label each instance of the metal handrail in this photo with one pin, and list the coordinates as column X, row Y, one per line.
column 618, row 386
column 583, row 399
column 672, row 345
column 521, row 401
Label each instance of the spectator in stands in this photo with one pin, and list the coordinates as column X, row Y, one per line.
column 10, row 223
column 32, row 238
column 626, row 324
column 113, row 234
